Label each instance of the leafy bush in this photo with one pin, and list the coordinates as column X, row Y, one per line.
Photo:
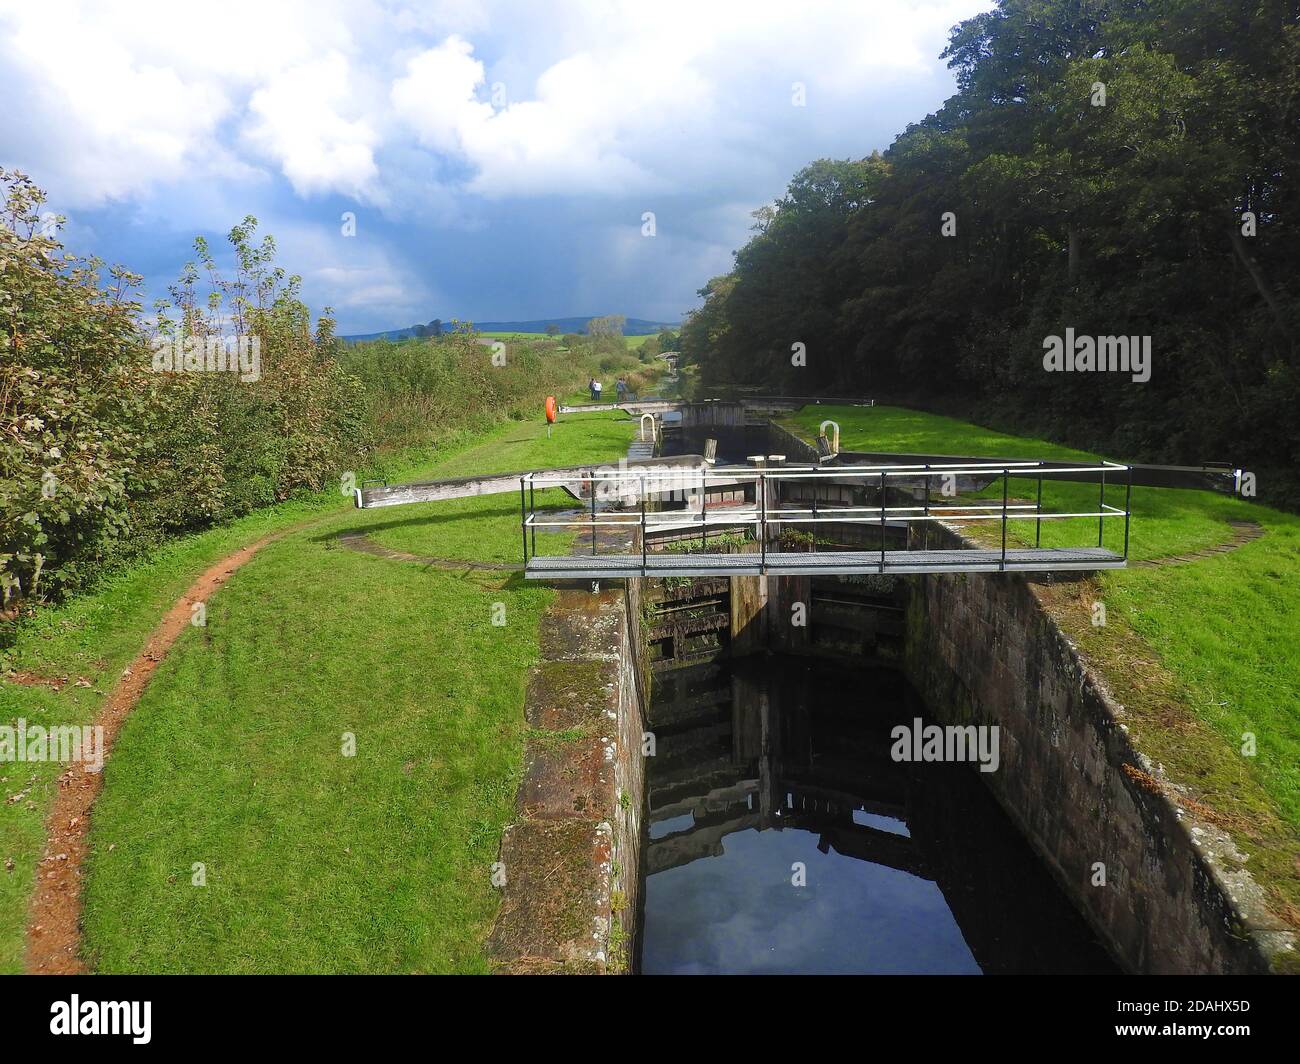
column 101, row 455
column 420, row 392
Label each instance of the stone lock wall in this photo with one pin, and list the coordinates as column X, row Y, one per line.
column 572, row 858
column 984, row 650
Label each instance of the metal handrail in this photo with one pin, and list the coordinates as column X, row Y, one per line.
column 780, row 517
column 761, row 516
column 746, row 473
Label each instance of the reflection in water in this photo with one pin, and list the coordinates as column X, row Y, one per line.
column 771, row 765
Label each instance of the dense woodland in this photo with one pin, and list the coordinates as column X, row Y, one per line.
column 1122, row 167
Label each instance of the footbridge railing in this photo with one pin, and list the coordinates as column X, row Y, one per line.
column 764, row 499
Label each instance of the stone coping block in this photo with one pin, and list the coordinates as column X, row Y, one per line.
column 555, row 904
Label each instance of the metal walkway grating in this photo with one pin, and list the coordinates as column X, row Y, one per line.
column 1020, row 560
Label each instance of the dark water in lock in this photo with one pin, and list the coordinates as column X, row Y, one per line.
column 734, row 444
column 771, row 763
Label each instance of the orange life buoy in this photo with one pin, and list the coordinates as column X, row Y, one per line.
column 550, row 409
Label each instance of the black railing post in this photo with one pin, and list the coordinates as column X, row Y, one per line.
column 641, row 481
column 1038, row 510
column 704, row 510
column 926, row 522
column 1005, row 478
column 1128, row 508
column 760, row 487
column 882, row 521
column 1101, row 510
column 523, row 518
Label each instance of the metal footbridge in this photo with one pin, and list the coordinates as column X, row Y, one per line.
column 659, row 522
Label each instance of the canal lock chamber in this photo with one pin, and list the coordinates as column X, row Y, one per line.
column 779, row 833
column 779, row 830
column 782, row 835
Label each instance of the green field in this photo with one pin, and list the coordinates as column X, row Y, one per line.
column 94, row 637
column 633, row 342
column 318, row 862
column 455, row 529
column 1199, row 653
column 1167, row 520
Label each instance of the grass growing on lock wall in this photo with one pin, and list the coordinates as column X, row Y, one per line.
column 1221, row 632
column 315, row 861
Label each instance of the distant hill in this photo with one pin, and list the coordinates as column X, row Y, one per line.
column 633, row 327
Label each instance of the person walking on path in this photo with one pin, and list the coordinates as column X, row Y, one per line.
column 591, row 387
column 596, row 391
column 621, row 386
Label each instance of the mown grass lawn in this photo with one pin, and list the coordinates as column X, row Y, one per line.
column 234, row 758
column 456, row 528
column 92, row 639
column 1222, row 632
column 316, row 861
column 96, row 635
column 1166, row 520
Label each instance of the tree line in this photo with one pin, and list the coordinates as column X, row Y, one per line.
column 1121, row 168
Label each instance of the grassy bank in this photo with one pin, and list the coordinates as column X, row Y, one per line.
column 456, row 529
column 427, row 393
column 316, row 861
column 1200, row 653
column 90, row 639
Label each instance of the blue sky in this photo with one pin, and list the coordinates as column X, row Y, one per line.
column 498, row 157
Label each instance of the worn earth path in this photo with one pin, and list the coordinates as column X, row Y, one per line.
column 54, row 918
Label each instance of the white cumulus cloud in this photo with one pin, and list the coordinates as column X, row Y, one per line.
column 299, row 119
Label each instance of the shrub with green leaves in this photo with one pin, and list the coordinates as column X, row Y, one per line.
column 72, row 392
column 102, row 455
column 421, row 391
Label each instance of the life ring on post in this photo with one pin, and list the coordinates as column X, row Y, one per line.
column 550, row 410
